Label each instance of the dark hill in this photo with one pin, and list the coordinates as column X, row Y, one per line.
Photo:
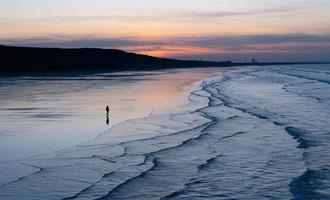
column 20, row 59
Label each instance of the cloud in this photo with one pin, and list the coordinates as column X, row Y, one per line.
column 221, row 14
column 165, row 16
column 214, row 47
column 238, row 42
column 69, row 42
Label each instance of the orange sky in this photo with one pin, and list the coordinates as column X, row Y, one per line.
column 137, row 26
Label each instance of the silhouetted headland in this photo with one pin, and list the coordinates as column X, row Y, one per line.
column 30, row 59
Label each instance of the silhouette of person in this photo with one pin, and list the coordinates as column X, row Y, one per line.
column 107, row 109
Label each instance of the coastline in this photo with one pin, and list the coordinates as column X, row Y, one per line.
column 53, row 117
column 107, row 148
column 48, row 61
column 238, row 128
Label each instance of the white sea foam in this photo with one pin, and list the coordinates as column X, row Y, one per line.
column 260, row 130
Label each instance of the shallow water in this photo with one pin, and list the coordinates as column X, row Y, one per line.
column 257, row 133
column 45, row 114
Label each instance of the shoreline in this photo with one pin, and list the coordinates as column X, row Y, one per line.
column 74, row 119
column 82, row 72
column 106, row 147
column 238, row 128
column 53, row 60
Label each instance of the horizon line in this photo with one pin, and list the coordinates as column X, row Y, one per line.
column 201, row 60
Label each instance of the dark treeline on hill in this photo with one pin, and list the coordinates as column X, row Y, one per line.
column 29, row 59
column 20, row 59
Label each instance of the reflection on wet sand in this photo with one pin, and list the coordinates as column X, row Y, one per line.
column 107, row 109
column 75, row 113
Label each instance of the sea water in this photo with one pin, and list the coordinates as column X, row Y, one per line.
column 251, row 133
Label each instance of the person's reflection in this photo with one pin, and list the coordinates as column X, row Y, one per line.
column 107, row 121
column 107, row 109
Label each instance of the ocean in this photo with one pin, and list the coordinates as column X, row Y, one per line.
column 242, row 133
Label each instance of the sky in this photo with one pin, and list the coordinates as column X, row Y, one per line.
column 237, row 30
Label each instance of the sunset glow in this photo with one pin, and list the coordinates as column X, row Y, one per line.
column 173, row 29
